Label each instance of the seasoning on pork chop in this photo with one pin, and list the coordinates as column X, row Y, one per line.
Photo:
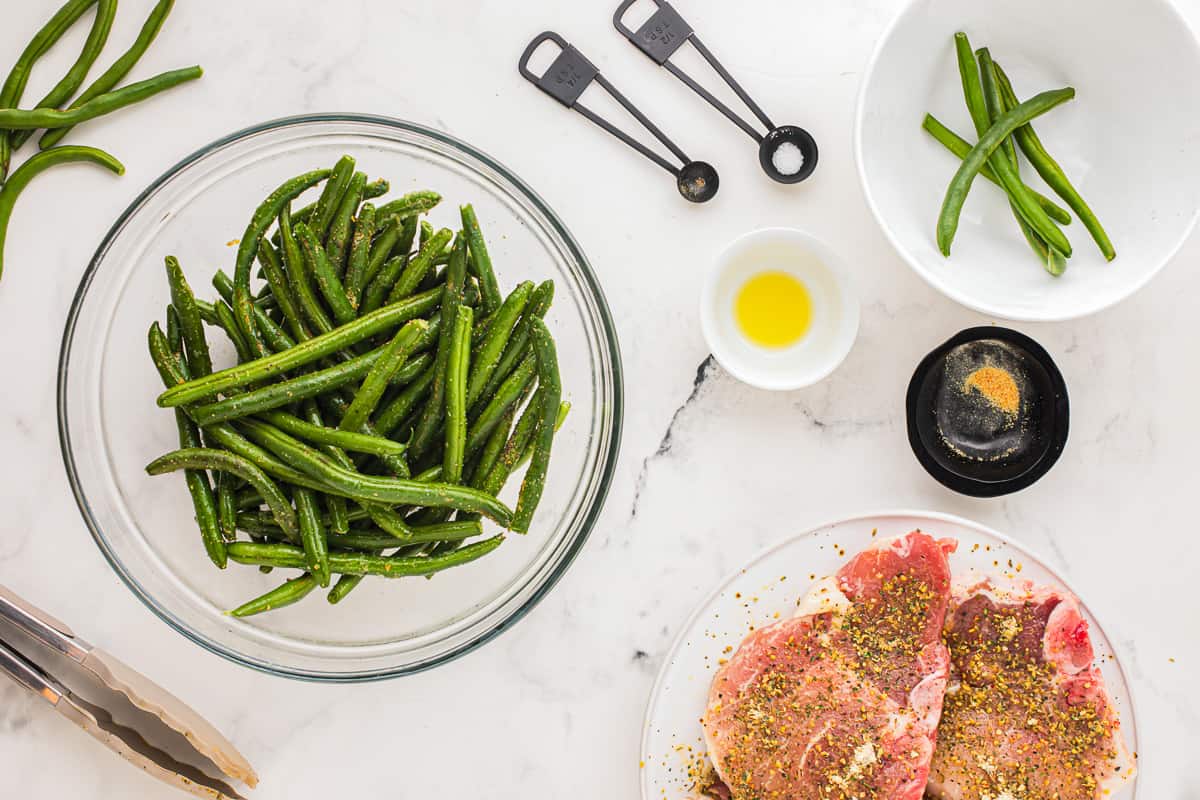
column 843, row 700
column 1027, row 716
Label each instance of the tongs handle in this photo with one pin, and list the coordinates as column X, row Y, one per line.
column 43, row 627
column 28, row 675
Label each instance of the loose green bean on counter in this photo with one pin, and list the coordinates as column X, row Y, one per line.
column 103, row 96
column 359, row 366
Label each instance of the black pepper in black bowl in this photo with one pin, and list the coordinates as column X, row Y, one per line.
column 987, row 412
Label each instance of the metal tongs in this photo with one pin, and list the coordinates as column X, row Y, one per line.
column 117, row 706
column 660, row 36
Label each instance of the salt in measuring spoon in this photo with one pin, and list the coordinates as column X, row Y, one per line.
column 567, row 79
column 787, row 153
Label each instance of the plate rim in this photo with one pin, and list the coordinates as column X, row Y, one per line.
column 688, row 624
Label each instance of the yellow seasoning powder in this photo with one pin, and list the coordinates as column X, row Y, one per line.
column 773, row 309
column 997, row 386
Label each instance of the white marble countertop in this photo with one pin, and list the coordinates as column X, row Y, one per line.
column 553, row 708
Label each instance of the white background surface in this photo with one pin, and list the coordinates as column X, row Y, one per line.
column 708, row 475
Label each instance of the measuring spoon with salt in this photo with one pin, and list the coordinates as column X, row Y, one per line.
column 567, row 79
column 787, row 153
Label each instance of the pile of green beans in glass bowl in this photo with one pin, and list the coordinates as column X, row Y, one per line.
column 1000, row 119
column 386, row 390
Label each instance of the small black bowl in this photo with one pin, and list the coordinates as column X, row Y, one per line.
column 788, row 134
column 962, row 440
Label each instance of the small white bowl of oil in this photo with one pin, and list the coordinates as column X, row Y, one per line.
column 778, row 309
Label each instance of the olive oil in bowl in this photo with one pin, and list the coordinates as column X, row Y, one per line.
column 779, row 311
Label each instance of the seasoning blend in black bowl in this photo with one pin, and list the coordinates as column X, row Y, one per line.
column 987, row 412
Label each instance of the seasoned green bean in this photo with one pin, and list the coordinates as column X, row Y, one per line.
column 498, row 334
column 1054, row 176
column 551, row 391
column 408, row 205
column 432, row 415
column 443, row 532
column 390, row 522
column 226, row 504
column 312, row 535
column 325, row 274
column 331, row 196
column 311, row 384
column 209, row 459
column 174, row 331
column 397, row 237
column 420, row 264
column 518, row 343
column 300, row 271
column 509, row 393
column 228, row 324
column 510, row 454
column 227, row 437
column 458, row 365
column 39, row 163
column 191, row 326
column 281, row 289
column 320, row 435
column 304, row 352
column 288, row 556
column 480, row 261
column 490, row 454
column 360, row 253
column 344, row 586
column 373, row 488
column 376, row 188
column 338, row 238
column 404, row 403
column 266, row 212
column 395, row 353
column 119, row 69
column 292, row 591
column 199, row 489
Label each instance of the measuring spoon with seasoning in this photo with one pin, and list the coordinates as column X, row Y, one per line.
column 567, row 79
column 787, row 153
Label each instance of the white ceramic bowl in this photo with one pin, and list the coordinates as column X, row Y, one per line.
column 834, row 316
column 1129, row 141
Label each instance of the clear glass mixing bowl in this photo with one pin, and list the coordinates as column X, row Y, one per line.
column 110, row 427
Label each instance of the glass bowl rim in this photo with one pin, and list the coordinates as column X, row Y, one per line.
column 607, row 333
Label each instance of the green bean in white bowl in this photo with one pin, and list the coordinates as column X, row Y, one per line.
column 1121, row 143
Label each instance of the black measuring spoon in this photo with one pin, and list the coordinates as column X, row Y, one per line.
column 787, row 153
column 571, row 74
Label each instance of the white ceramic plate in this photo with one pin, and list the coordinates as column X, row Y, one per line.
column 767, row 589
column 1127, row 141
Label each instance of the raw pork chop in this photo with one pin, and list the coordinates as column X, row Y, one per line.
column 841, row 701
column 1026, row 716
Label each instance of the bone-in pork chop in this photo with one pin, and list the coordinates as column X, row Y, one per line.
column 1026, row 716
column 843, row 700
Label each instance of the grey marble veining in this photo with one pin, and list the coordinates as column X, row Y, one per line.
column 711, row 471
